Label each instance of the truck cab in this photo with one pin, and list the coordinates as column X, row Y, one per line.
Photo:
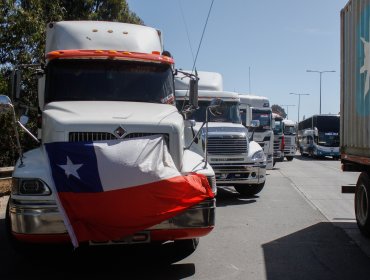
column 236, row 161
column 105, row 83
column 290, row 137
column 261, row 114
column 279, row 138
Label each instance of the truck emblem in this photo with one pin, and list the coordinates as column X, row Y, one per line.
column 119, row 132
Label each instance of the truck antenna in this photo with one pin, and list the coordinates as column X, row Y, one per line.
column 187, row 30
column 201, row 39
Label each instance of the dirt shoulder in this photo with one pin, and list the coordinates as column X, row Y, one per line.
column 5, row 184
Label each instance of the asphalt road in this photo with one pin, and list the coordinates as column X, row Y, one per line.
column 299, row 227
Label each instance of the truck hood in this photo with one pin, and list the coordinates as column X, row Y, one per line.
column 218, row 128
column 70, row 121
column 95, row 112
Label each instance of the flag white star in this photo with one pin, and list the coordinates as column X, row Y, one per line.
column 366, row 65
column 70, row 168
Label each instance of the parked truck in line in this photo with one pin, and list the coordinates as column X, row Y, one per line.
column 105, row 82
column 355, row 104
column 236, row 161
column 290, row 139
column 279, row 139
column 261, row 112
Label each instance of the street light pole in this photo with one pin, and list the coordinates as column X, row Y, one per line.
column 287, row 109
column 320, row 72
column 299, row 100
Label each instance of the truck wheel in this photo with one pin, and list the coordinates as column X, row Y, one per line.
column 185, row 247
column 249, row 190
column 289, row 158
column 362, row 203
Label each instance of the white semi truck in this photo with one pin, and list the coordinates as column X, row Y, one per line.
column 290, row 139
column 355, row 104
column 261, row 112
column 104, row 83
column 236, row 161
column 279, row 139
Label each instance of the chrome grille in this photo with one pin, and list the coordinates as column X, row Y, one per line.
column 90, row 136
column 227, row 145
column 102, row 136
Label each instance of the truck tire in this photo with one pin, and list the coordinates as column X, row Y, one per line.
column 362, row 203
column 249, row 190
column 289, row 158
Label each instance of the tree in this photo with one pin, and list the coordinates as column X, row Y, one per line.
column 22, row 41
column 278, row 110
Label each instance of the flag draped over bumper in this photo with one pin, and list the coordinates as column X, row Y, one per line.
column 108, row 190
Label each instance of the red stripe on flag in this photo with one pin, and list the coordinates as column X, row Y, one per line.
column 116, row 214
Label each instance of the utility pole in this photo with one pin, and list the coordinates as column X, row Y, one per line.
column 320, row 72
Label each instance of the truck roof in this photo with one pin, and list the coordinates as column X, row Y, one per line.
column 289, row 122
column 208, row 95
column 254, row 100
column 207, row 81
column 102, row 35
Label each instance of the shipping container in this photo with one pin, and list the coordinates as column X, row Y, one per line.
column 355, row 103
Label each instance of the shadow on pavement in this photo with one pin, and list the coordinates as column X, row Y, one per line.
column 321, row 251
column 307, row 158
column 122, row 262
column 227, row 196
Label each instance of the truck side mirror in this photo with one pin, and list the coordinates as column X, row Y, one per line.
column 193, row 92
column 316, row 132
column 16, row 83
column 5, row 104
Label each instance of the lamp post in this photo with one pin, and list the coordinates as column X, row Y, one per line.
column 299, row 100
column 287, row 109
column 320, row 72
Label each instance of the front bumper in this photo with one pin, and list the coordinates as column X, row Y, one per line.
column 41, row 222
column 278, row 156
column 229, row 174
column 289, row 151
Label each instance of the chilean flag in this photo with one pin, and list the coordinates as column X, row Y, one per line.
column 111, row 189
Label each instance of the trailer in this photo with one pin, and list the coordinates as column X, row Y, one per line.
column 355, row 104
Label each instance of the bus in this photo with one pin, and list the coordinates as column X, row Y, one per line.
column 318, row 136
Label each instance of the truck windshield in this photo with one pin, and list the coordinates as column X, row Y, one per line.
column 289, row 130
column 328, row 139
column 107, row 80
column 264, row 117
column 278, row 129
column 231, row 113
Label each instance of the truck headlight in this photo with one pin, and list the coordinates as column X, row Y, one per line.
column 212, row 183
column 258, row 156
column 21, row 186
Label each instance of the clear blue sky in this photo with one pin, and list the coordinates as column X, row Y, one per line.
column 278, row 40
